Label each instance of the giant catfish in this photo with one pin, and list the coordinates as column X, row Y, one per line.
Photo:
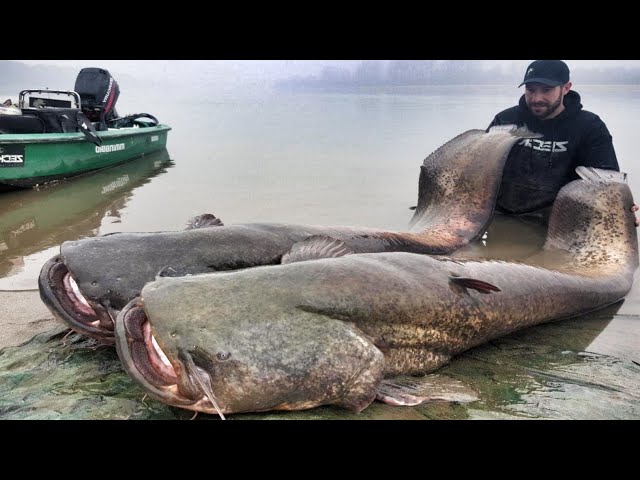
column 337, row 330
column 93, row 278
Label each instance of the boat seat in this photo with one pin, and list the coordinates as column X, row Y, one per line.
column 53, row 119
column 38, row 102
column 21, row 124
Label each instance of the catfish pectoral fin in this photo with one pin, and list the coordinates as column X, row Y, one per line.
column 363, row 392
column 479, row 285
column 411, row 391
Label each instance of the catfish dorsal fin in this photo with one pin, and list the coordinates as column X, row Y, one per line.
column 502, row 128
column 521, row 132
column 479, row 285
column 316, row 246
column 203, row 221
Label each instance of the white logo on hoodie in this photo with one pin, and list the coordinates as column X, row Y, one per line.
column 543, row 146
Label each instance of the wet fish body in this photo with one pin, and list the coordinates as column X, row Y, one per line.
column 93, row 278
column 329, row 331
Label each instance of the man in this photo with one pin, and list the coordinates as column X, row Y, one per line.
column 537, row 169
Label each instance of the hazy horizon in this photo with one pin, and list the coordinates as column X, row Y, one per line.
column 290, row 67
column 203, row 80
column 263, row 73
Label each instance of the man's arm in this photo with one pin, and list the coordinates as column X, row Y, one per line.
column 596, row 148
column 635, row 208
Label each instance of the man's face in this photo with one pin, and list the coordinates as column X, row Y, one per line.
column 544, row 101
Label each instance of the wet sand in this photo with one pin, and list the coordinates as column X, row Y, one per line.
column 22, row 316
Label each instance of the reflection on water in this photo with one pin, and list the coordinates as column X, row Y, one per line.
column 34, row 221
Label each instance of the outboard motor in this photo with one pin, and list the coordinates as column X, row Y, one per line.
column 99, row 93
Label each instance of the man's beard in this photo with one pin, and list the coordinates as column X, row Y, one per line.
column 548, row 110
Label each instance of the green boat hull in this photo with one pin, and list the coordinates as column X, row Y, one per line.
column 27, row 160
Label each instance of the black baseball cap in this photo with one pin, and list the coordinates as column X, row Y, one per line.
column 548, row 72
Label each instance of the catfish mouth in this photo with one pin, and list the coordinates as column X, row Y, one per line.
column 60, row 293
column 169, row 381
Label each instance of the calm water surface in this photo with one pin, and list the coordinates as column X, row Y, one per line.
column 314, row 158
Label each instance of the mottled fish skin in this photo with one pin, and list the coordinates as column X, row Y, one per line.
column 305, row 334
column 456, row 196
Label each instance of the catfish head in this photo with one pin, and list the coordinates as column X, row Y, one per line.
column 188, row 344
column 83, row 314
column 89, row 282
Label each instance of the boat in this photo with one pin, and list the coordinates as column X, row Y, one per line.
column 55, row 134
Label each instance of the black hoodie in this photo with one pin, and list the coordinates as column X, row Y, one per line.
column 537, row 169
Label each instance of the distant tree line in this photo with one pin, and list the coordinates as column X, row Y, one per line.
column 442, row 72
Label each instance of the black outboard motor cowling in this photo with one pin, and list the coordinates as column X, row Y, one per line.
column 99, row 93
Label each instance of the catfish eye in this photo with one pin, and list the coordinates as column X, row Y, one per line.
column 222, row 356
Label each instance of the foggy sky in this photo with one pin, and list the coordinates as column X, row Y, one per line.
column 211, row 78
column 222, row 72
column 257, row 72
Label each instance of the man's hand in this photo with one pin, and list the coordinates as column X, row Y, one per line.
column 635, row 208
